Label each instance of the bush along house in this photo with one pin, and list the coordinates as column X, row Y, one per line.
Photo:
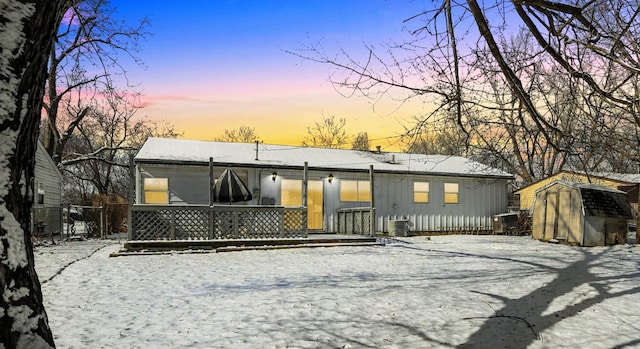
column 291, row 191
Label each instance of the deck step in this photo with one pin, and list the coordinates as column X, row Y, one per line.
column 279, row 247
column 201, row 246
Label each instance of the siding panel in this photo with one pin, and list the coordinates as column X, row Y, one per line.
column 45, row 172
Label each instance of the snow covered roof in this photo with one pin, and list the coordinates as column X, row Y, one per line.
column 579, row 185
column 181, row 151
column 621, row 177
column 598, row 200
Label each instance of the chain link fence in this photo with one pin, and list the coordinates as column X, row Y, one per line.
column 78, row 221
column 47, row 221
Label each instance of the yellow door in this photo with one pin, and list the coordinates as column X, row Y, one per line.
column 291, row 195
column 314, row 204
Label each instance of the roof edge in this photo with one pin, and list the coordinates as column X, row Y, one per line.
column 323, row 168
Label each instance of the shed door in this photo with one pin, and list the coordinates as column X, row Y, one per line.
column 551, row 213
column 564, row 215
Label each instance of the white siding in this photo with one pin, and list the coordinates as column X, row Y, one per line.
column 479, row 199
column 45, row 172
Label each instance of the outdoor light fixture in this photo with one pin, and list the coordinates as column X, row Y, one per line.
column 273, row 176
column 330, row 178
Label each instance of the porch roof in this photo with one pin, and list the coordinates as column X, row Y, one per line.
column 181, row 151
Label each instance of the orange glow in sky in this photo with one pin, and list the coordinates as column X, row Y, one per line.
column 218, row 65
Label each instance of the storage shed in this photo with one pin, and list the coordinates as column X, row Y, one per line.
column 581, row 214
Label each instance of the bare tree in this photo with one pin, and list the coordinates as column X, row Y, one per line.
column 95, row 161
column 361, row 142
column 102, row 142
column 243, row 134
column 442, row 138
column 28, row 28
column 328, row 133
column 86, row 55
column 562, row 84
column 582, row 131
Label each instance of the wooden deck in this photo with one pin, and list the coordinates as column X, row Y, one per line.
column 202, row 246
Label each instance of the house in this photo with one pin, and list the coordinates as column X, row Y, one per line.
column 581, row 214
column 47, row 203
column 344, row 188
column 627, row 182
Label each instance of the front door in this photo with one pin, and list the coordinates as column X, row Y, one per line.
column 314, row 205
column 291, row 195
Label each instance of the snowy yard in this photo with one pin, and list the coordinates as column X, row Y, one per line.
column 449, row 291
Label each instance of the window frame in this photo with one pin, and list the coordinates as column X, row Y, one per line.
column 155, row 191
column 40, row 193
column 417, row 192
column 449, row 194
column 362, row 190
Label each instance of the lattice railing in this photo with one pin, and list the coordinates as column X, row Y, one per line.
column 295, row 223
column 354, row 220
column 152, row 222
column 191, row 224
column 151, row 225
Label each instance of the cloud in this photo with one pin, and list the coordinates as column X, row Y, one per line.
column 159, row 99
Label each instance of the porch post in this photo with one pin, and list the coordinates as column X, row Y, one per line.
column 133, row 186
column 211, row 181
column 372, row 209
column 305, row 212
column 211, row 212
column 305, row 173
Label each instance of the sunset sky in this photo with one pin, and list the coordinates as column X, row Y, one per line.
column 216, row 65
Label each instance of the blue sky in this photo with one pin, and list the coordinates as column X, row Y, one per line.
column 215, row 65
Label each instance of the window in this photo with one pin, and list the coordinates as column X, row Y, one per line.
column 156, row 190
column 40, row 193
column 355, row 191
column 421, row 192
column 451, row 193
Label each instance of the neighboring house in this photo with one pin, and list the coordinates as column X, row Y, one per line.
column 47, row 201
column 581, row 214
column 433, row 193
column 629, row 183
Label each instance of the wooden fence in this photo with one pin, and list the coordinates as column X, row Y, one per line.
column 196, row 222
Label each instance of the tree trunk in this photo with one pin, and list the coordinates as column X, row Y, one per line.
column 28, row 29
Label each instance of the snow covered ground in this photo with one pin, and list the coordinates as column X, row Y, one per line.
column 449, row 291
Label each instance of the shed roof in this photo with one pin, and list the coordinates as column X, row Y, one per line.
column 598, row 200
column 181, row 151
column 622, row 178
